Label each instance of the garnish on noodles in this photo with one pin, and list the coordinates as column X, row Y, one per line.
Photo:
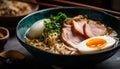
column 65, row 35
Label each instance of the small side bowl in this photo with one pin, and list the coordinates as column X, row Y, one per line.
column 4, row 35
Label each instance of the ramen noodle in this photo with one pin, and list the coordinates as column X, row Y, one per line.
column 52, row 44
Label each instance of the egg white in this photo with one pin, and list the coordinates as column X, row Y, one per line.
column 36, row 29
column 83, row 48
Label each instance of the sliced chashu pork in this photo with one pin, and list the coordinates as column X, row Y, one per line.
column 78, row 26
column 68, row 23
column 76, row 31
column 88, row 28
column 71, row 38
column 93, row 28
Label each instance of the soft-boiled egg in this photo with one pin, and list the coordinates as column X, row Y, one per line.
column 36, row 29
column 96, row 44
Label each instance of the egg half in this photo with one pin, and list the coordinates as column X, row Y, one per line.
column 96, row 44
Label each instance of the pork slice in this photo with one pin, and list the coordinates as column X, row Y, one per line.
column 66, row 24
column 93, row 28
column 87, row 31
column 70, row 37
column 78, row 26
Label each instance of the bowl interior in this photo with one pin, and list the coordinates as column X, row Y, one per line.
column 104, row 18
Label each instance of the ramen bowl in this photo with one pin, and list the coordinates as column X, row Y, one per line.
column 58, row 59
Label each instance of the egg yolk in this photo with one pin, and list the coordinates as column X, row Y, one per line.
column 96, row 43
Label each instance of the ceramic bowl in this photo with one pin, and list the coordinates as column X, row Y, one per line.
column 57, row 59
column 10, row 21
column 4, row 35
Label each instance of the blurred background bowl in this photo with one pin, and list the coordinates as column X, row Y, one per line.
column 57, row 59
column 4, row 35
column 10, row 21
